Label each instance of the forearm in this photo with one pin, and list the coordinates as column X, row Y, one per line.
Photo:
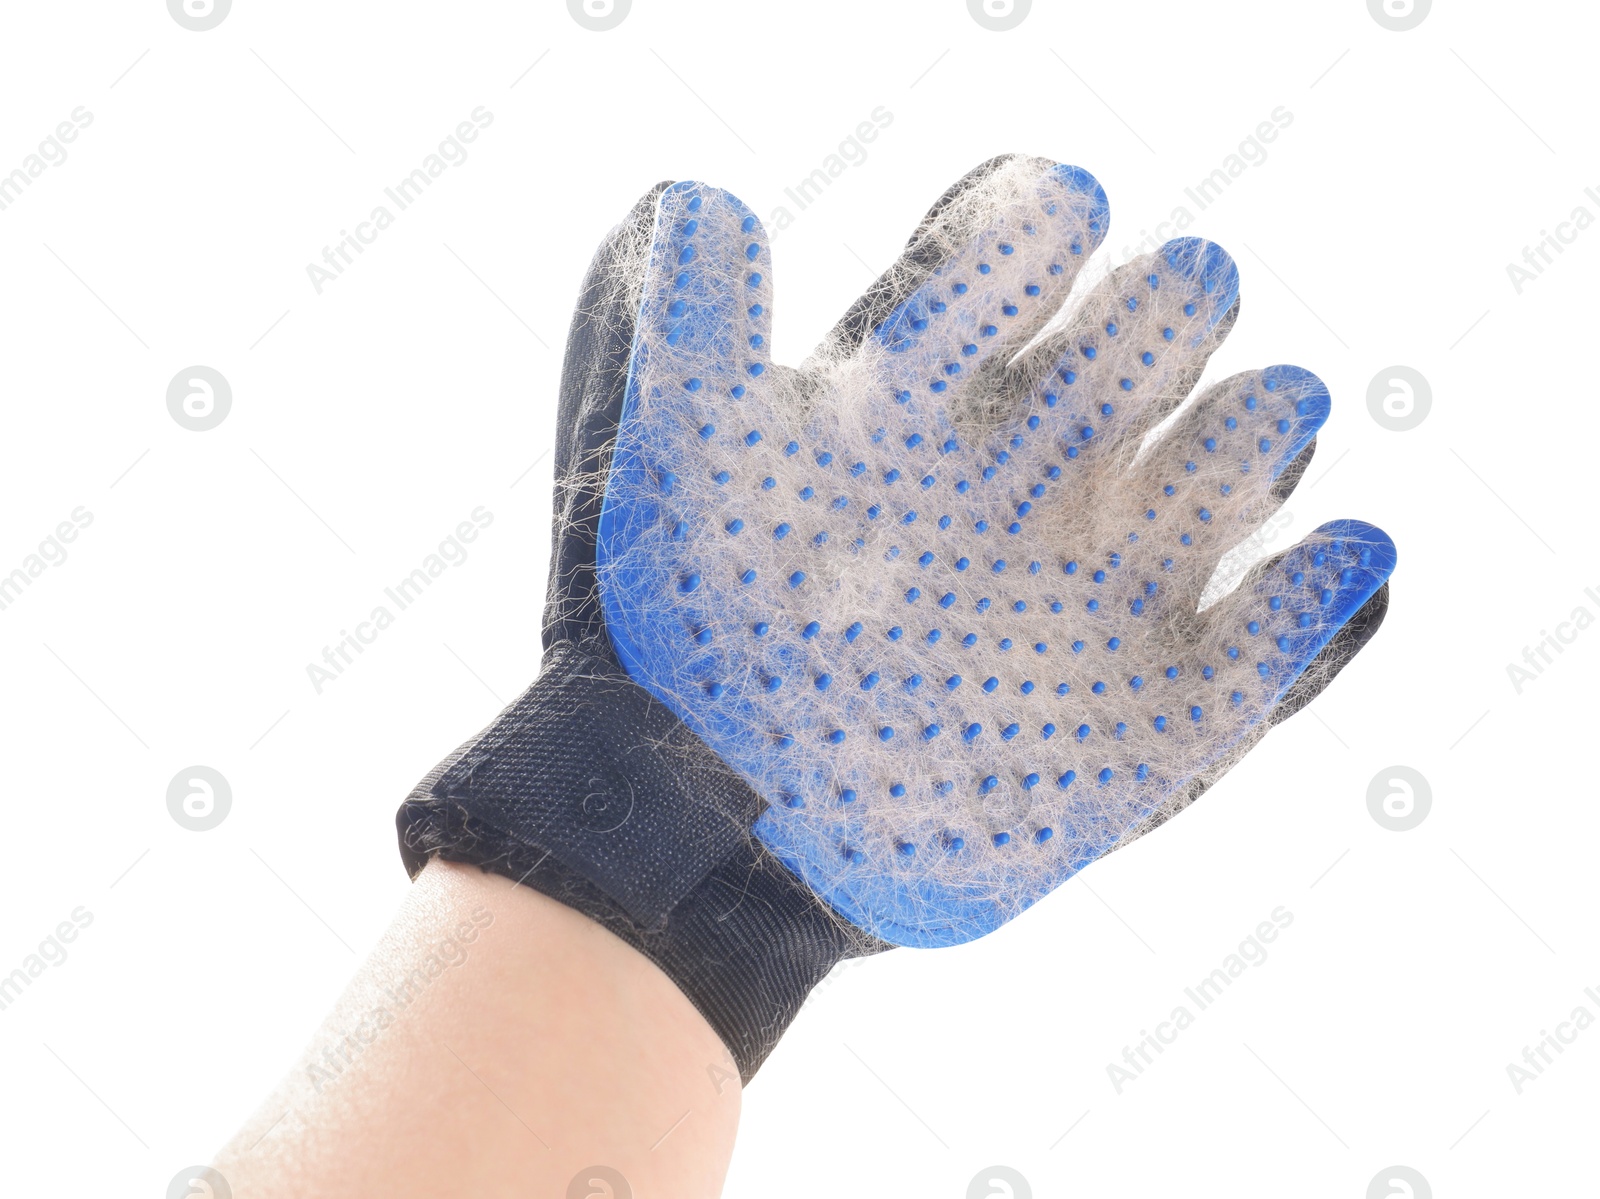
column 496, row 1043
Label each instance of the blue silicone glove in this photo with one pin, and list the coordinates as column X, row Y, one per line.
column 932, row 601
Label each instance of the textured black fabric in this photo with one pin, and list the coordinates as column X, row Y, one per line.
column 590, row 767
column 590, row 791
column 594, row 378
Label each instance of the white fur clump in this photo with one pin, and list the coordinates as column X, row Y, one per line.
column 927, row 593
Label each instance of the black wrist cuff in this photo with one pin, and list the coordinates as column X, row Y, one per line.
column 592, row 792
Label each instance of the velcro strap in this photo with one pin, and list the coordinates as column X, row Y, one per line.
column 591, row 768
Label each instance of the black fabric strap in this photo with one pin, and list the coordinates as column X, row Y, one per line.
column 591, row 791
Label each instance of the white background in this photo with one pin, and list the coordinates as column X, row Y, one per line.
column 369, row 420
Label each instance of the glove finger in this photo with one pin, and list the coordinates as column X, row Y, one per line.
column 1217, row 474
column 1257, row 657
column 1263, row 639
column 705, row 309
column 1010, row 248
column 925, row 251
column 594, row 378
column 1126, row 358
column 1351, row 638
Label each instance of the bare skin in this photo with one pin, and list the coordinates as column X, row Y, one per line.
column 529, row 1046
